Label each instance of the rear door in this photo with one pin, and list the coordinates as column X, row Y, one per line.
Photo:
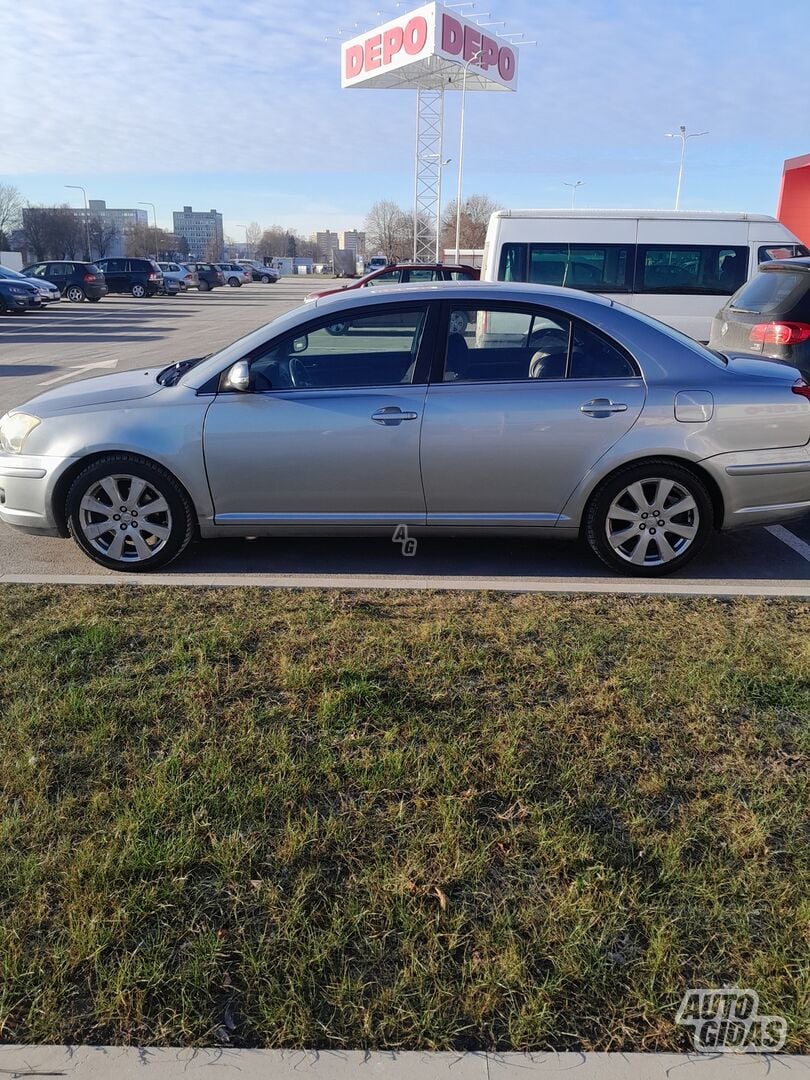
column 115, row 275
column 525, row 401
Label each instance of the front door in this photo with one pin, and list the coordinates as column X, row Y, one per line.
column 329, row 432
column 527, row 402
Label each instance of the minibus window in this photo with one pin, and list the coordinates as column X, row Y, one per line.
column 513, row 263
column 592, row 267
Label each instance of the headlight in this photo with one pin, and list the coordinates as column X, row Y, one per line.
column 14, row 430
column 17, row 290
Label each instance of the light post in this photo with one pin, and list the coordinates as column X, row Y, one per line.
column 154, row 218
column 78, row 187
column 247, row 242
column 578, row 184
column 683, row 136
column 474, row 59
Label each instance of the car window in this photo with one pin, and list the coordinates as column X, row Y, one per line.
column 60, row 269
column 781, row 251
column 37, row 270
column 594, row 357
column 391, row 278
column 422, row 275
column 769, row 291
column 691, row 268
column 495, row 345
column 593, row 267
column 356, row 351
column 459, row 275
column 115, row 266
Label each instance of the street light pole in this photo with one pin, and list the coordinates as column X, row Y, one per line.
column 78, row 187
column 473, row 60
column 154, row 219
column 683, row 136
column 574, row 187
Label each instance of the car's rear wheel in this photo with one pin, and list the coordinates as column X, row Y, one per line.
column 128, row 514
column 74, row 293
column 234, row 282
column 138, row 290
column 649, row 519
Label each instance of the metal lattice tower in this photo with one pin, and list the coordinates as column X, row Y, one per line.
column 427, row 223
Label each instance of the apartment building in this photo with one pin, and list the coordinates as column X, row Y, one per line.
column 202, row 230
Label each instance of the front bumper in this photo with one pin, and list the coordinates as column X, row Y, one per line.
column 27, row 486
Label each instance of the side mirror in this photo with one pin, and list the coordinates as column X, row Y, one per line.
column 301, row 344
column 239, row 376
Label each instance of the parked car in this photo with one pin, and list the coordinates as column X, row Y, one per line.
column 516, row 409
column 233, row 274
column 208, row 276
column 77, row 281
column 268, row 275
column 173, row 271
column 48, row 294
column 770, row 316
column 405, row 274
column 18, row 296
column 138, row 277
column 376, row 262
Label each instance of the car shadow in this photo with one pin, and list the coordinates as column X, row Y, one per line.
column 9, row 370
column 751, row 554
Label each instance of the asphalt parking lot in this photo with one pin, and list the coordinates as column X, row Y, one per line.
column 76, row 341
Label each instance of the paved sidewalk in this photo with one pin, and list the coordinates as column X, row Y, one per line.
column 129, row 1063
column 611, row 586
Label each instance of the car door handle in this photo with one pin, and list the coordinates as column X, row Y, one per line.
column 391, row 415
column 602, row 407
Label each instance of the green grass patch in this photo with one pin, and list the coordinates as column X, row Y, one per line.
column 412, row 820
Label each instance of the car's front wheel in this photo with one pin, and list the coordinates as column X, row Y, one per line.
column 203, row 286
column 75, row 294
column 649, row 519
column 266, row 279
column 128, row 514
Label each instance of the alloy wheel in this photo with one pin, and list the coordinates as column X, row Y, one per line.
column 652, row 522
column 125, row 518
column 75, row 294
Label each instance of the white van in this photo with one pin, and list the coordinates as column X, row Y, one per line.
column 678, row 266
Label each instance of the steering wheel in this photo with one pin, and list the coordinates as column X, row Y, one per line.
column 298, row 372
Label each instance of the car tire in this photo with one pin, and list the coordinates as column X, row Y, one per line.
column 630, row 526
column 75, row 294
column 203, row 286
column 90, row 505
column 265, row 279
column 234, row 283
column 138, row 291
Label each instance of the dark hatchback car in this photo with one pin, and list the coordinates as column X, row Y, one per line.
column 138, row 277
column 208, row 277
column 77, row 281
column 769, row 316
column 18, row 296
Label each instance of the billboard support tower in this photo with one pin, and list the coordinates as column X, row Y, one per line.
column 427, row 207
column 429, row 50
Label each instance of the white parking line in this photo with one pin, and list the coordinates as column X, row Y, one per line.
column 792, row 541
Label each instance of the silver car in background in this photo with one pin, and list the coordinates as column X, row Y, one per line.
column 457, row 408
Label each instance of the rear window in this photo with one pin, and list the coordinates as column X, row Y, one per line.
column 697, row 269
column 781, row 251
column 769, row 291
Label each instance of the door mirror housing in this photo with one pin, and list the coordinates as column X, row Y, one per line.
column 301, row 344
column 238, row 377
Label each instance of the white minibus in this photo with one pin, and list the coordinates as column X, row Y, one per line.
column 677, row 266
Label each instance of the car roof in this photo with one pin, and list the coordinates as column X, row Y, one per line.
column 483, row 290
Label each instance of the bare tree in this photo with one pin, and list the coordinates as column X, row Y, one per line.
column 273, row 243
column 476, row 210
column 103, row 235
column 54, row 232
column 389, row 230
column 11, row 206
column 253, row 234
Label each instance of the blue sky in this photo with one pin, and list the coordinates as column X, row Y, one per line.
column 239, row 107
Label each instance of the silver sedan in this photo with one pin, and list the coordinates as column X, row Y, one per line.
column 461, row 408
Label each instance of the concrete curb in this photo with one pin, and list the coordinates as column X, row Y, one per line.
column 797, row 589
column 127, row 1063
